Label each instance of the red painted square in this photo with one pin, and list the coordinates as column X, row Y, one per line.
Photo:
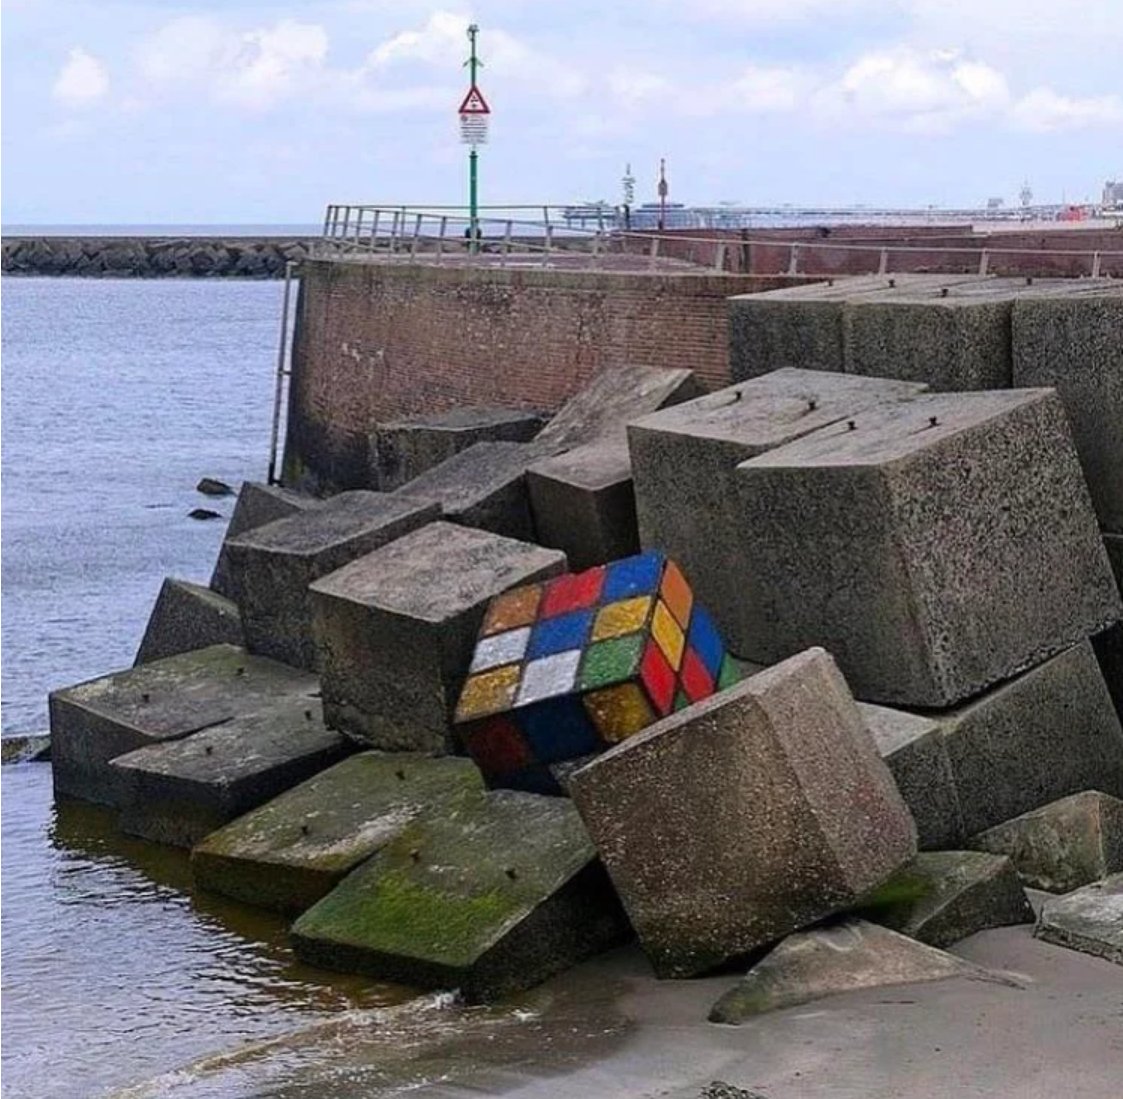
column 658, row 678
column 696, row 679
column 572, row 592
column 497, row 746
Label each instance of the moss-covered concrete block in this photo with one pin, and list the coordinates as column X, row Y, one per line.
column 188, row 616
column 491, row 895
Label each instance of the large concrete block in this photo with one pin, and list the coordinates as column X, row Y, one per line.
column 1047, row 733
column 188, row 616
column 94, row 722
column 684, row 461
column 583, row 503
column 295, row 849
column 180, row 791
column 742, row 818
column 1109, row 643
column 1089, row 920
column 274, row 564
column 1075, row 344
column 934, row 546
column 397, row 628
column 492, row 896
column 404, row 449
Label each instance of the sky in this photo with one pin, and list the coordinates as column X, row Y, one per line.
column 260, row 111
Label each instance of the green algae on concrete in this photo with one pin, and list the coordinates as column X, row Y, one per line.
column 490, row 895
column 295, row 849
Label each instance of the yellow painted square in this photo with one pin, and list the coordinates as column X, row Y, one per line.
column 668, row 634
column 488, row 693
column 676, row 594
column 625, row 616
column 619, row 712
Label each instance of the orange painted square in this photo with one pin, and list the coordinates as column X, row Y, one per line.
column 512, row 609
column 677, row 594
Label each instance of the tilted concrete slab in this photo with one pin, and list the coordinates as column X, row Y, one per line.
column 746, row 816
column 290, row 852
column 491, row 896
column 934, row 546
column 397, row 628
column 185, row 617
column 1089, row 920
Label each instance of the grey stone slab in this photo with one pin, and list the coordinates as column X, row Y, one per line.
column 746, row 816
column 1045, row 734
column 25, row 749
column 1063, row 845
column 913, row 747
column 180, row 791
column 404, row 449
column 1074, row 344
column 844, row 957
column 944, row 896
column 293, row 850
column 188, row 616
column 274, row 564
column 490, row 897
column 398, row 628
column 1089, row 920
column 584, row 503
column 1109, row 643
column 684, row 461
column 93, row 722
column 935, row 547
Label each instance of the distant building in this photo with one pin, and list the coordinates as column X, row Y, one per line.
column 1113, row 195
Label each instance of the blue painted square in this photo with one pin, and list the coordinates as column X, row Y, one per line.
column 555, row 635
column 633, row 576
column 558, row 729
column 706, row 641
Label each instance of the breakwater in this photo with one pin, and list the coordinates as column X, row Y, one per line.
column 152, row 257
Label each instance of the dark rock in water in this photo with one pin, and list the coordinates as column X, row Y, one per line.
column 208, row 486
column 203, row 513
column 25, row 749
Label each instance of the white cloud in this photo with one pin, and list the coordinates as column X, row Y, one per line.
column 1044, row 111
column 83, row 80
column 636, row 88
column 765, row 89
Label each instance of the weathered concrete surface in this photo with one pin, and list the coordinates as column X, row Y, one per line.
column 913, row 747
column 583, row 502
column 180, row 791
column 290, row 852
column 274, row 564
column 1063, row 845
column 188, row 616
column 684, row 462
column 1109, row 643
column 398, row 626
column 257, row 504
column 491, row 896
column 1089, row 920
column 25, row 749
column 1073, row 343
column 944, row 896
column 94, row 722
column 404, row 449
column 936, row 547
column 842, row 957
column 1047, row 733
column 746, row 816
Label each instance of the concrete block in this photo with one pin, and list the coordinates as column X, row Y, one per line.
column 291, row 851
column 1109, row 643
column 188, row 616
column 742, row 818
column 275, row 563
column 583, row 503
column 397, row 628
column 944, row 896
column 94, row 722
column 404, row 449
column 684, row 461
column 1063, row 845
column 1074, row 344
column 567, row 668
column 1089, row 920
column 1045, row 734
column 180, row 791
column 913, row 747
column 935, row 547
column 491, row 897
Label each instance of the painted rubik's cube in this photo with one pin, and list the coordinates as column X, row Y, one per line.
column 568, row 667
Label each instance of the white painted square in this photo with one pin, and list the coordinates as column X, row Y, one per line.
column 501, row 648
column 549, row 676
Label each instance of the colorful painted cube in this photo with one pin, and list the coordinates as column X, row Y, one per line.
column 568, row 667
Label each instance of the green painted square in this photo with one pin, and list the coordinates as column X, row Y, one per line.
column 611, row 661
column 730, row 673
column 681, row 701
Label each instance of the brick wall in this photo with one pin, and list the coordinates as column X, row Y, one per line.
column 375, row 342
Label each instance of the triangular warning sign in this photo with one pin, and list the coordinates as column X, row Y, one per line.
column 474, row 102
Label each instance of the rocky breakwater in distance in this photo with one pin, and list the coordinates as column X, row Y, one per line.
column 152, row 257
